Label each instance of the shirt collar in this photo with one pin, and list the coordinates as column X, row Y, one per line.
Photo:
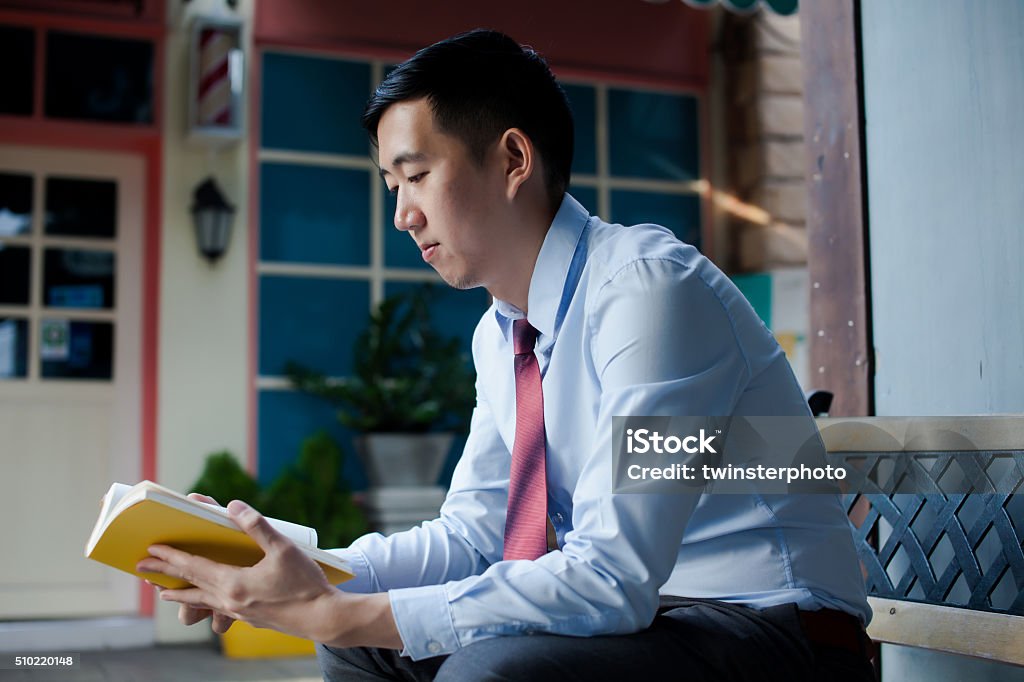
column 547, row 286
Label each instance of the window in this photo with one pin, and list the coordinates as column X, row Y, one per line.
column 86, row 77
column 97, row 78
column 58, row 275
column 637, row 156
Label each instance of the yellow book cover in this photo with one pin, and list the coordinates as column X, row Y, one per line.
column 134, row 517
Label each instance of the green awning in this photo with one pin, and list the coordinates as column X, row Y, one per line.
column 784, row 7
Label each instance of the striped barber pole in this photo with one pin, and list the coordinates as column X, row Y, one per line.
column 215, row 47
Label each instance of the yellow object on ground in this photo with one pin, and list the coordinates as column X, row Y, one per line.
column 245, row 641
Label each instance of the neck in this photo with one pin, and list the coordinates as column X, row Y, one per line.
column 519, row 261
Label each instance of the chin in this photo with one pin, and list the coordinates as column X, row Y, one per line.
column 457, row 281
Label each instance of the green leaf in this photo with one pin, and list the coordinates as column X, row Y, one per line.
column 224, row 479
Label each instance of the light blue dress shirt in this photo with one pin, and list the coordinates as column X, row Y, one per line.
column 632, row 322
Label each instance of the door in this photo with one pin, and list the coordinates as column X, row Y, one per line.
column 70, row 365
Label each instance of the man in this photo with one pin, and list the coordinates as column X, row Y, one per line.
column 589, row 321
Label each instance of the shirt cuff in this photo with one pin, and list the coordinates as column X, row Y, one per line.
column 424, row 621
column 365, row 581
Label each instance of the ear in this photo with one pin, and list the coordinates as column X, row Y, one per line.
column 519, row 159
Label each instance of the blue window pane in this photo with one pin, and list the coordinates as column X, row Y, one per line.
column 653, row 135
column 312, row 214
column 13, row 348
column 583, row 102
column 453, row 312
column 586, row 196
column 76, row 278
column 678, row 212
column 286, row 418
column 400, row 251
column 76, row 350
column 311, row 321
column 314, row 104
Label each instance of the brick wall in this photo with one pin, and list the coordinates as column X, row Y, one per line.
column 764, row 148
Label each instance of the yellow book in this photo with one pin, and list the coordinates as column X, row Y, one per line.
column 133, row 518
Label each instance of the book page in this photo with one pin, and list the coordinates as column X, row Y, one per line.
column 107, row 502
column 114, row 495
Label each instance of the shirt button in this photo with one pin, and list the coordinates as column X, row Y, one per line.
column 559, row 518
column 434, row 647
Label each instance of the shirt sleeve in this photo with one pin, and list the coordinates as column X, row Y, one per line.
column 662, row 343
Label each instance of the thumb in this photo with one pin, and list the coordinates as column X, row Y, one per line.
column 254, row 524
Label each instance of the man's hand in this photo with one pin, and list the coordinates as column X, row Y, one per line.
column 285, row 591
column 188, row 615
column 276, row 592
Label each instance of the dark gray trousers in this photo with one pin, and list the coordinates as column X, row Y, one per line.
column 688, row 640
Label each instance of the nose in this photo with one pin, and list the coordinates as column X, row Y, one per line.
column 407, row 215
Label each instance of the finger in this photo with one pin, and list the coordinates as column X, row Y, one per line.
column 153, row 565
column 255, row 525
column 191, row 568
column 199, row 497
column 221, row 622
column 189, row 615
column 191, row 597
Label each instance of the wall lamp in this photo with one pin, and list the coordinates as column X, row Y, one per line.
column 212, row 216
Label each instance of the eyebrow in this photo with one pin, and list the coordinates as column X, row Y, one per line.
column 403, row 158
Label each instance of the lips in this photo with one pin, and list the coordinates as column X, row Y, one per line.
column 428, row 250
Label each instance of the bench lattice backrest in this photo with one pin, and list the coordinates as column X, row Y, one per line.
column 956, row 549
column 939, row 529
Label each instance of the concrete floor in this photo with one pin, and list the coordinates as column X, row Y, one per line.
column 202, row 663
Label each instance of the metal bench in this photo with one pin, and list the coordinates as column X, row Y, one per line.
column 938, row 528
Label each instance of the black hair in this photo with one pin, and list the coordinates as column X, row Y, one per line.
column 479, row 84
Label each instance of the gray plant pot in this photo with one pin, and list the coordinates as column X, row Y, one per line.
column 403, row 460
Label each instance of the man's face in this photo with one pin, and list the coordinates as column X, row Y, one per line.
column 446, row 201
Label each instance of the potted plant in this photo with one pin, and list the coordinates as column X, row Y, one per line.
column 310, row 492
column 411, row 391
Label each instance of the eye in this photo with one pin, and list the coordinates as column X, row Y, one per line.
column 393, row 191
column 416, row 178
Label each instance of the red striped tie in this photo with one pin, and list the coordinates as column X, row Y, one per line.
column 526, row 522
